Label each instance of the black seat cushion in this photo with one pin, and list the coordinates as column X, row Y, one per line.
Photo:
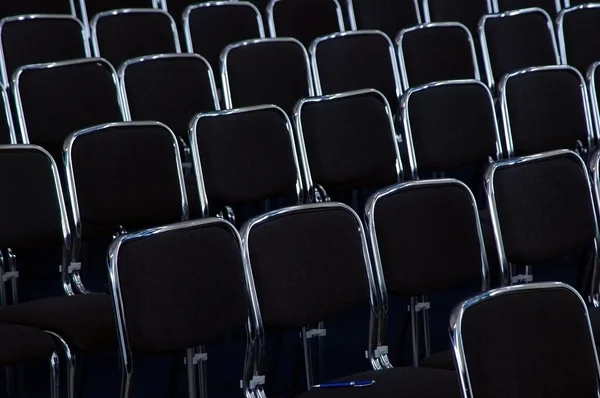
column 440, row 360
column 397, row 382
column 86, row 322
column 21, row 343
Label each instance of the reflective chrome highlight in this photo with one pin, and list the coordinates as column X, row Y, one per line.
column 593, row 96
column 560, row 26
column 496, row 6
column 9, row 116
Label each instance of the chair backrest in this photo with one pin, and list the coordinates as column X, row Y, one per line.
column 266, row 71
column 389, row 16
column 541, row 208
column 245, row 155
column 552, row 7
column 170, row 88
column 513, row 341
column 406, row 220
column 356, row 60
column 54, row 100
column 573, row 3
column 304, row 20
column 516, row 40
column 592, row 77
column 436, row 51
column 545, row 108
column 24, row 7
column 119, row 35
column 197, row 268
column 211, row 26
column 467, row 12
column 8, row 134
column 348, row 141
column 577, row 36
column 36, row 39
column 450, row 124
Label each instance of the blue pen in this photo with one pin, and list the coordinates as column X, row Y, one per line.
column 345, row 384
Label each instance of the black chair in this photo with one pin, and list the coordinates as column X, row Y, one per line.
column 206, row 295
column 304, row 20
column 170, row 88
column 266, row 71
column 577, row 31
column 356, row 60
column 592, row 81
column 436, row 51
column 429, row 210
column 545, row 108
column 24, row 7
column 388, row 16
column 513, row 339
column 88, row 9
column 467, row 12
column 327, row 273
column 119, row 35
column 211, row 26
column 516, row 40
column 35, row 218
column 7, row 127
column 552, row 7
column 244, row 156
column 36, row 39
column 573, row 3
column 347, row 141
column 54, row 100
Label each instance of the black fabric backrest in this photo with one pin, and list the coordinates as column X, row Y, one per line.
column 437, row 52
column 389, row 16
column 308, row 264
column 578, row 32
column 29, row 205
column 517, row 41
column 544, row 209
column 210, row 29
column 269, row 71
column 6, row 122
column 57, row 101
column 125, row 175
column 246, row 155
column 305, row 20
column 40, row 39
column 451, row 125
column 198, row 270
column 516, row 345
column 349, row 141
column 170, row 89
column 467, row 12
column 409, row 219
column 94, row 7
column 133, row 33
column 547, row 5
column 546, row 110
column 573, row 3
column 22, row 7
column 355, row 61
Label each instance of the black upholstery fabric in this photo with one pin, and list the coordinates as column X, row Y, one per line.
column 40, row 40
column 21, row 343
column 29, row 207
column 126, row 176
column 451, row 126
column 134, row 34
column 508, row 356
column 467, row 12
column 440, row 360
column 437, row 53
column 546, row 111
column 5, row 119
column 581, row 37
column 305, row 20
column 94, row 7
column 246, row 156
column 68, row 98
column 171, row 90
column 544, row 208
column 389, row 16
column 349, row 142
column 213, row 28
column 396, row 382
column 308, row 266
column 269, row 72
column 10, row 8
column 574, row 3
column 595, row 321
column 410, row 221
column 86, row 322
column 355, row 62
column 199, row 274
column 547, row 5
column 519, row 41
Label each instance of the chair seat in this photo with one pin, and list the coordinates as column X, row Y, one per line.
column 86, row 322
column 397, row 383
column 440, row 360
column 22, row 343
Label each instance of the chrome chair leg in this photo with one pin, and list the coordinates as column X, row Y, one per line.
column 191, row 373
column 54, row 376
column 71, row 364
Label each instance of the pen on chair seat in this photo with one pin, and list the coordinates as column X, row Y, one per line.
column 345, row 384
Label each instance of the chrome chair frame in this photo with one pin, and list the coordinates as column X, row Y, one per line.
column 352, row 14
column 271, row 16
column 496, row 6
column 158, row 4
column 427, row 10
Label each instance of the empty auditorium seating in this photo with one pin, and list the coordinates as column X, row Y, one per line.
column 7, row 127
column 577, row 35
column 23, row 7
column 88, row 9
column 552, row 7
column 467, row 12
column 389, row 16
column 592, row 81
